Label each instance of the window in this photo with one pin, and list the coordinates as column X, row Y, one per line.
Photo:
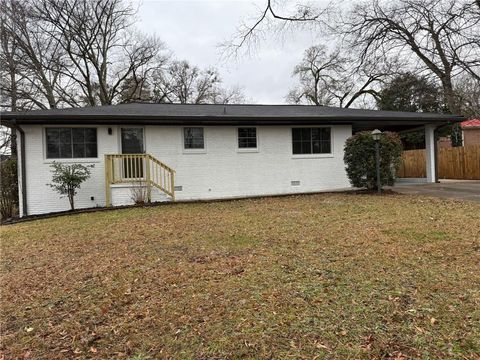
column 64, row 143
column 247, row 138
column 193, row 138
column 311, row 141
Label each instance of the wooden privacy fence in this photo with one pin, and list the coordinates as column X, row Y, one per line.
column 413, row 164
column 453, row 163
column 459, row 163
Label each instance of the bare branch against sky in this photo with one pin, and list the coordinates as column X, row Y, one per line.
column 264, row 73
column 274, row 17
column 267, row 37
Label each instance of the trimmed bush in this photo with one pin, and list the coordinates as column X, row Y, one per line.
column 360, row 159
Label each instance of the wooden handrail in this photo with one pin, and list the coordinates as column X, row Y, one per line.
column 138, row 168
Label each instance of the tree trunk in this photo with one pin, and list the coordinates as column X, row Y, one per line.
column 13, row 107
column 70, row 199
column 450, row 97
column 13, row 143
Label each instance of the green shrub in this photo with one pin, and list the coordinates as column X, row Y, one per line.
column 8, row 189
column 66, row 179
column 360, row 159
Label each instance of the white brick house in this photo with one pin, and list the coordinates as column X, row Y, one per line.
column 216, row 151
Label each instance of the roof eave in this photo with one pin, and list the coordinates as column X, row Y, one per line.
column 214, row 120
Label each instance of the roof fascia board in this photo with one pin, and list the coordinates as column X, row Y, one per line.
column 209, row 120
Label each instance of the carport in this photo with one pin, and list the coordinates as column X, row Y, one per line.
column 429, row 123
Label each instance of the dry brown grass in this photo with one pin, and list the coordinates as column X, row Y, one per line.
column 325, row 276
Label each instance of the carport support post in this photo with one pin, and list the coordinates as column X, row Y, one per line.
column 430, row 153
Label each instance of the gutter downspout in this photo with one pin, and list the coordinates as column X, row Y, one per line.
column 22, row 167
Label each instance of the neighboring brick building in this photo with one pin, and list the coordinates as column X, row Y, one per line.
column 471, row 132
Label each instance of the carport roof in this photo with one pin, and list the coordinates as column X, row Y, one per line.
column 229, row 114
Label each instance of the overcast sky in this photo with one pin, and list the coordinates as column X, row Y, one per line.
column 192, row 30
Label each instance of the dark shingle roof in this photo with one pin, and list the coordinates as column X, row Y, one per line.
column 230, row 114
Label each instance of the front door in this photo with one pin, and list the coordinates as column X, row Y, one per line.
column 132, row 143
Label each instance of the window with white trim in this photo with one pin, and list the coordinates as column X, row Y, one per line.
column 193, row 138
column 68, row 143
column 311, row 140
column 247, row 138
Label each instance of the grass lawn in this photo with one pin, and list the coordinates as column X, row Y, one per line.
column 319, row 276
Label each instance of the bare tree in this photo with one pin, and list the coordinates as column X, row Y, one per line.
column 335, row 78
column 102, row 49
column 438, row 37
column 5, row 140
column 30, row 61
column 57, row 53
column 67, row 53
column 233, row 95
column 135, row 88
column 275, row 17
column 318, row 73
column 8, row 64
column 467, row 90
column 184, row 83
column 29, row 64
column 441, row 34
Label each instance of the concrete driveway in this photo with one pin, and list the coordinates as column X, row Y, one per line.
column 451, row 189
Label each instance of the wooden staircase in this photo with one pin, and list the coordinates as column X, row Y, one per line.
column 138, row 170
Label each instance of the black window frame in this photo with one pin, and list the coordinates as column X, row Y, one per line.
column 244, row 141
column 70, row 142
column 189, row 145
column 312, row 140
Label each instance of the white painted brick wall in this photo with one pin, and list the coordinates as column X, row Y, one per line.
column 220, row 172
column 122, row 195
column 43, row 199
